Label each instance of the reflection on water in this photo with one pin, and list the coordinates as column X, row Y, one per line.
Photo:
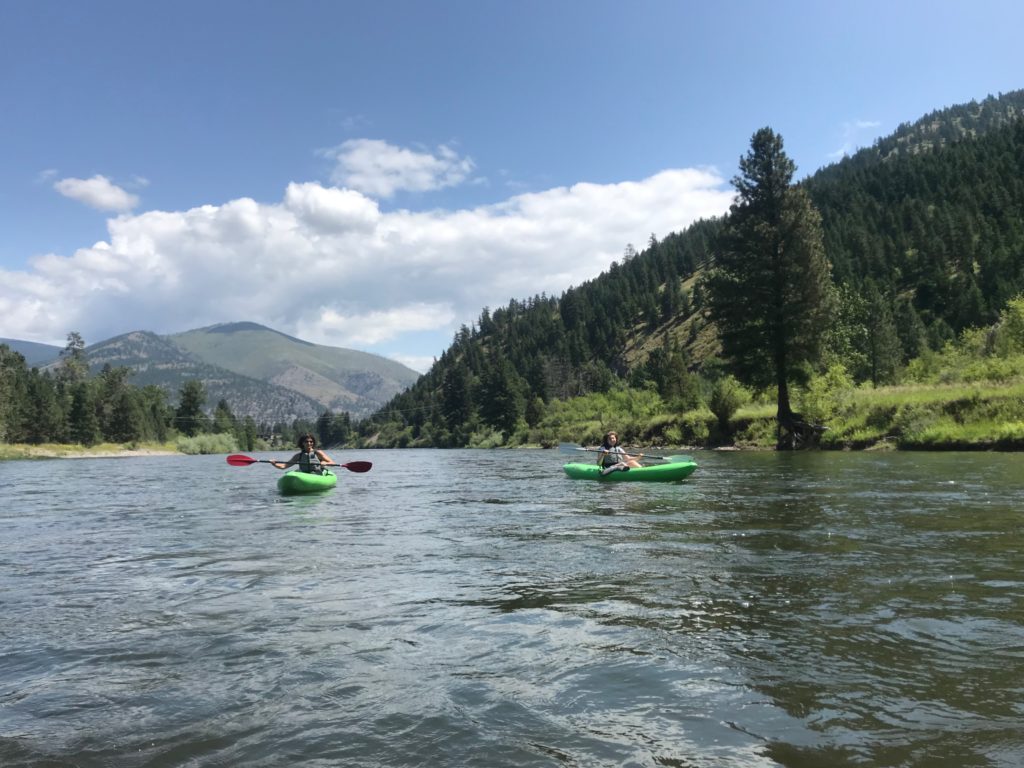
column 479, row 608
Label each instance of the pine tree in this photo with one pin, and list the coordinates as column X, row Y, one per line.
column 501, row 402
column 189, row 415
column 770, row 286
column 45, row 420
column 456, row 402
column 125, row 419
column 883, row 350
column 73, row 365
column 12, row 394
column 223, row 418
column 82, row 422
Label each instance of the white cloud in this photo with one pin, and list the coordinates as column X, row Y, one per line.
column 325, row 264
column 331, row 209
column 376, row 326
column 98, row 192
column 380, row 169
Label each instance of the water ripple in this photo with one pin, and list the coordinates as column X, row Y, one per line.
column 478, row 608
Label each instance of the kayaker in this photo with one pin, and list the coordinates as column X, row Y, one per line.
column 612, row 458
column 309, row 458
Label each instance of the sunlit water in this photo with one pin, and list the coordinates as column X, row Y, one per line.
column 478, row 608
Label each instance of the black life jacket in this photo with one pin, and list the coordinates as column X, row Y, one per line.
column 310, row 462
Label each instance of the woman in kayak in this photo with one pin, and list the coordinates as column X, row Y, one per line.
column 309, row 458
column 612, row 458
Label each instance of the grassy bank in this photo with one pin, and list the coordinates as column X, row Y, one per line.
column 955, row 417
column 980, row 416
column 976, row 416
column 190, row 446
column 10, row 451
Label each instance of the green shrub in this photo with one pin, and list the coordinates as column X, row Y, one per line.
column 726, row 398
column 913, row 420
column 206, row 444
column 826, row 396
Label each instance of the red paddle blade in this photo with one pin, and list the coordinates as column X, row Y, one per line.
column 357, row 466
column 238, row 460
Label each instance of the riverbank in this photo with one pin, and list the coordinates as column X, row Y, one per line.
column 100, row 451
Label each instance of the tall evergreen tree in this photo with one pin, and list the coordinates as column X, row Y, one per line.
column 499, row 395
column 124, row 419
column 73, row 366
column 323, row 428
column 456, row 403
column 156, row 413
column 770, row 286
column 12, row 382
column 45, row 418
column 223, row 418
column 83, row 424
column 189, row 415
column 246, row 433
column 883, row 350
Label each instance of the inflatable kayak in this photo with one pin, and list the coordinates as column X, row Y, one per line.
column 656, row 473
column 306, row 482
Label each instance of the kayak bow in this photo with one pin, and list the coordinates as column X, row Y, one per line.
column 306, row 482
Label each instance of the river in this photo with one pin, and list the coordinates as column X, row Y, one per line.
column 478, row 608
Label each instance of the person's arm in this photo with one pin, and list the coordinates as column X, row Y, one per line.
column 285, row 464
column 324, row 458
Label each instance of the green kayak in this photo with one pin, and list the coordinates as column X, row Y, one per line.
column 656, row 473
column 306, row 482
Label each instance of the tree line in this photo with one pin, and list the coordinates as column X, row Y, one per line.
column 68, row 405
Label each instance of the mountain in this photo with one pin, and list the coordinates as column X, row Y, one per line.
column 942, row 127
column 34, row 354
column 258, row 371
column 158, row 361
column 335, row 378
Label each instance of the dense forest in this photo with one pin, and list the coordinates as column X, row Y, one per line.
column 925, row 236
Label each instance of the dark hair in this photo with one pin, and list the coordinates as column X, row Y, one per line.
column 306, row 437
column 608, row 434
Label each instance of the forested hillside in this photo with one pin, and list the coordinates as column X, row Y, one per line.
column 925, row 235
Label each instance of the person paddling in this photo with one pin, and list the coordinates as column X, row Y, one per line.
column 612, row 458
column 309, row 458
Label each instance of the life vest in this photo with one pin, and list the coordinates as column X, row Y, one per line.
column 610, row 455
column 310, row 462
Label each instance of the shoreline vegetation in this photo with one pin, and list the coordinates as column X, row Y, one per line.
column 17, row 451
column 977, row 415
column 961, row 416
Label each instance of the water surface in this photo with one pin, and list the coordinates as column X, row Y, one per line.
column 477, row 608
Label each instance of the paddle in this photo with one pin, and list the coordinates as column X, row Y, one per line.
column 569, row 448
column 238, row 460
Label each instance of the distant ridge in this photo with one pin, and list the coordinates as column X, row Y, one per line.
column 35, row 354
column 338, row 379
column 260, row 372
column 249, row 326
column 158, row 361
column 936, row 129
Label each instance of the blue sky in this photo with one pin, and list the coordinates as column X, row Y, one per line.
column 372, row 174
